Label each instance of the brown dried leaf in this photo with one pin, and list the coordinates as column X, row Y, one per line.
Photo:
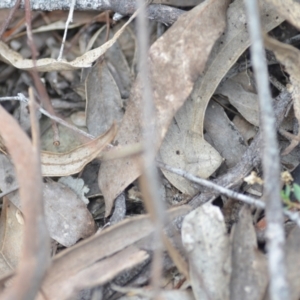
column 195, row 153
column 244, row 101
column 103, row 100
column 249, row 265
column 13, row 58
column 289, row 56
column 293, row 262
column 247, row 130
column 201, row 159
column 225, row 137
column 172, row 82
column 85, row 254
column 97, row 274
column 115, row 58
column 67, row 216
column 64, row 164
column 11, row 236
column 288, row 9
column 205, row 239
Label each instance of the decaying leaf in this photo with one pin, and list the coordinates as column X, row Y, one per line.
column 288, row 9
column 205, row 239
column 289, row 56
column 85, row 254
column 249, row 276
column 194, row 151
column 293, row 262
column 103, row 100
column 77, row 185
column 225, row 137
column 11, row 236
column 13, row 58
column 244, row 101
column 247, row 130
column 69, row 139
column 115, row 58
column 174, row 151
column 67, row 216
column 172, row 82
column 97, row 274
column 64, row 164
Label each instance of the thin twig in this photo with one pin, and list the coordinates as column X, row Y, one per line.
column 35, row 130
column 8, row 18
column 294, row 216
column 271, row 164
column 289, row 135
column 35, row 76
column 150, row 185
column 69, row 20
column 22, row 98
column 209, row 184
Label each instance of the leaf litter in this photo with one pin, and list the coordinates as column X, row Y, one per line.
column 116, row 175
column 194, row 134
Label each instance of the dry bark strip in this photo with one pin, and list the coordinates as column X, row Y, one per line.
column 35, row 253
column 182, row 40
column 161, row 13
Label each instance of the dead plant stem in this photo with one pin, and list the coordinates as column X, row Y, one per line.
column 150, row 184
column 278, row 287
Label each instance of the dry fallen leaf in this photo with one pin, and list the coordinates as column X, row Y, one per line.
column 67, row 216
column 103, row 100
column 13, row 58
column 194, row 152
column 85, row 254
column 167, row 67
column 225, row 137
column 247, row 130
column 115, row 58
column 64, row 164
column 289, row 56
column 11, row 236
column 249, row 276
column 205, row 239
column 176, row 150
column 293, row 262
column 99, row 273
column 244, row 101
column 288, row 9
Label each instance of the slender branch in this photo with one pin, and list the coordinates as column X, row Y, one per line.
column 35, row 76
column 9, row 17
column 36, row 247
column 294, row 216
column 271, row 165
column 22, row 98
column 69, row 20
column 161, row 13
column 150, row 183
column 211, row 185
